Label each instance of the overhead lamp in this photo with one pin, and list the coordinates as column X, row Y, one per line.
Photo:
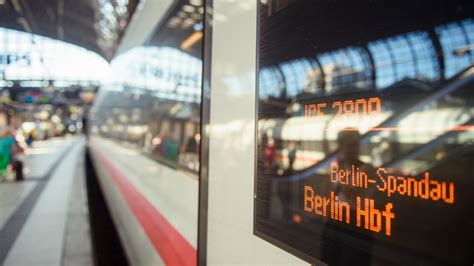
column 191, row 40
column 175, row 20
column 188, row 22
column 198, row 26
column 31, row 84
column 195, row 2
column 6, row 83
column 188, row 8
column 172, row 25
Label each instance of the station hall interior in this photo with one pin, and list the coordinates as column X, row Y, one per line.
column 236, row 132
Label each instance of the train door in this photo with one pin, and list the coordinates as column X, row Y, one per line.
column 347, row 141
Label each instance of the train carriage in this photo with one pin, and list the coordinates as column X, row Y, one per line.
column 291, row 132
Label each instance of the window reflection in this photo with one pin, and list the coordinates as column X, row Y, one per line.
column 25, row 56
column 295, row 73
column 271, row 83
column 456, row 40
column 173, row 74
column 410, row 56
column 407, row 56
column 346, row 70
column 156, row 107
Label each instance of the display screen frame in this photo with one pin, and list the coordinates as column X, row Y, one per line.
column 258, row 231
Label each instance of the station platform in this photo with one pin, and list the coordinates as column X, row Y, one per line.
column 44, row 218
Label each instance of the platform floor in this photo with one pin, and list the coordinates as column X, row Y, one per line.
column 44, row 219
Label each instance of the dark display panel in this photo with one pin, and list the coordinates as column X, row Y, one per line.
column 365, row 131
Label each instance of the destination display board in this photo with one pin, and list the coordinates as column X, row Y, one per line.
column 365, row 131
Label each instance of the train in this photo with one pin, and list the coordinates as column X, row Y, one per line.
column 290, row 132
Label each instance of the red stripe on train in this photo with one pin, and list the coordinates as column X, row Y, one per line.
column 173, row 248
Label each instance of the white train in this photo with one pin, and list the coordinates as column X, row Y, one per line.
column 207, row 154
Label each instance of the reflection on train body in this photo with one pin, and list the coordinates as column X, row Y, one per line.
column 145, row 139
column 162, row 118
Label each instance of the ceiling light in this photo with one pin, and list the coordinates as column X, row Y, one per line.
column 175, row 20
column 187, row 23
column 198, row 26
column 191, row 40
column 188, row 8
column 195, row 2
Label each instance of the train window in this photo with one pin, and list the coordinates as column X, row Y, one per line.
column 365, row 130
column 156, row 103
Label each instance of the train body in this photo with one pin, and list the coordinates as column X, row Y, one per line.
column 269, row 132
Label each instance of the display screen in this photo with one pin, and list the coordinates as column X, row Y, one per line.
column 365, row 131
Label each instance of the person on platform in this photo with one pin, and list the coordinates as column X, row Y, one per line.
column 30, row 138
column 270, row 154
column 8, row 150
